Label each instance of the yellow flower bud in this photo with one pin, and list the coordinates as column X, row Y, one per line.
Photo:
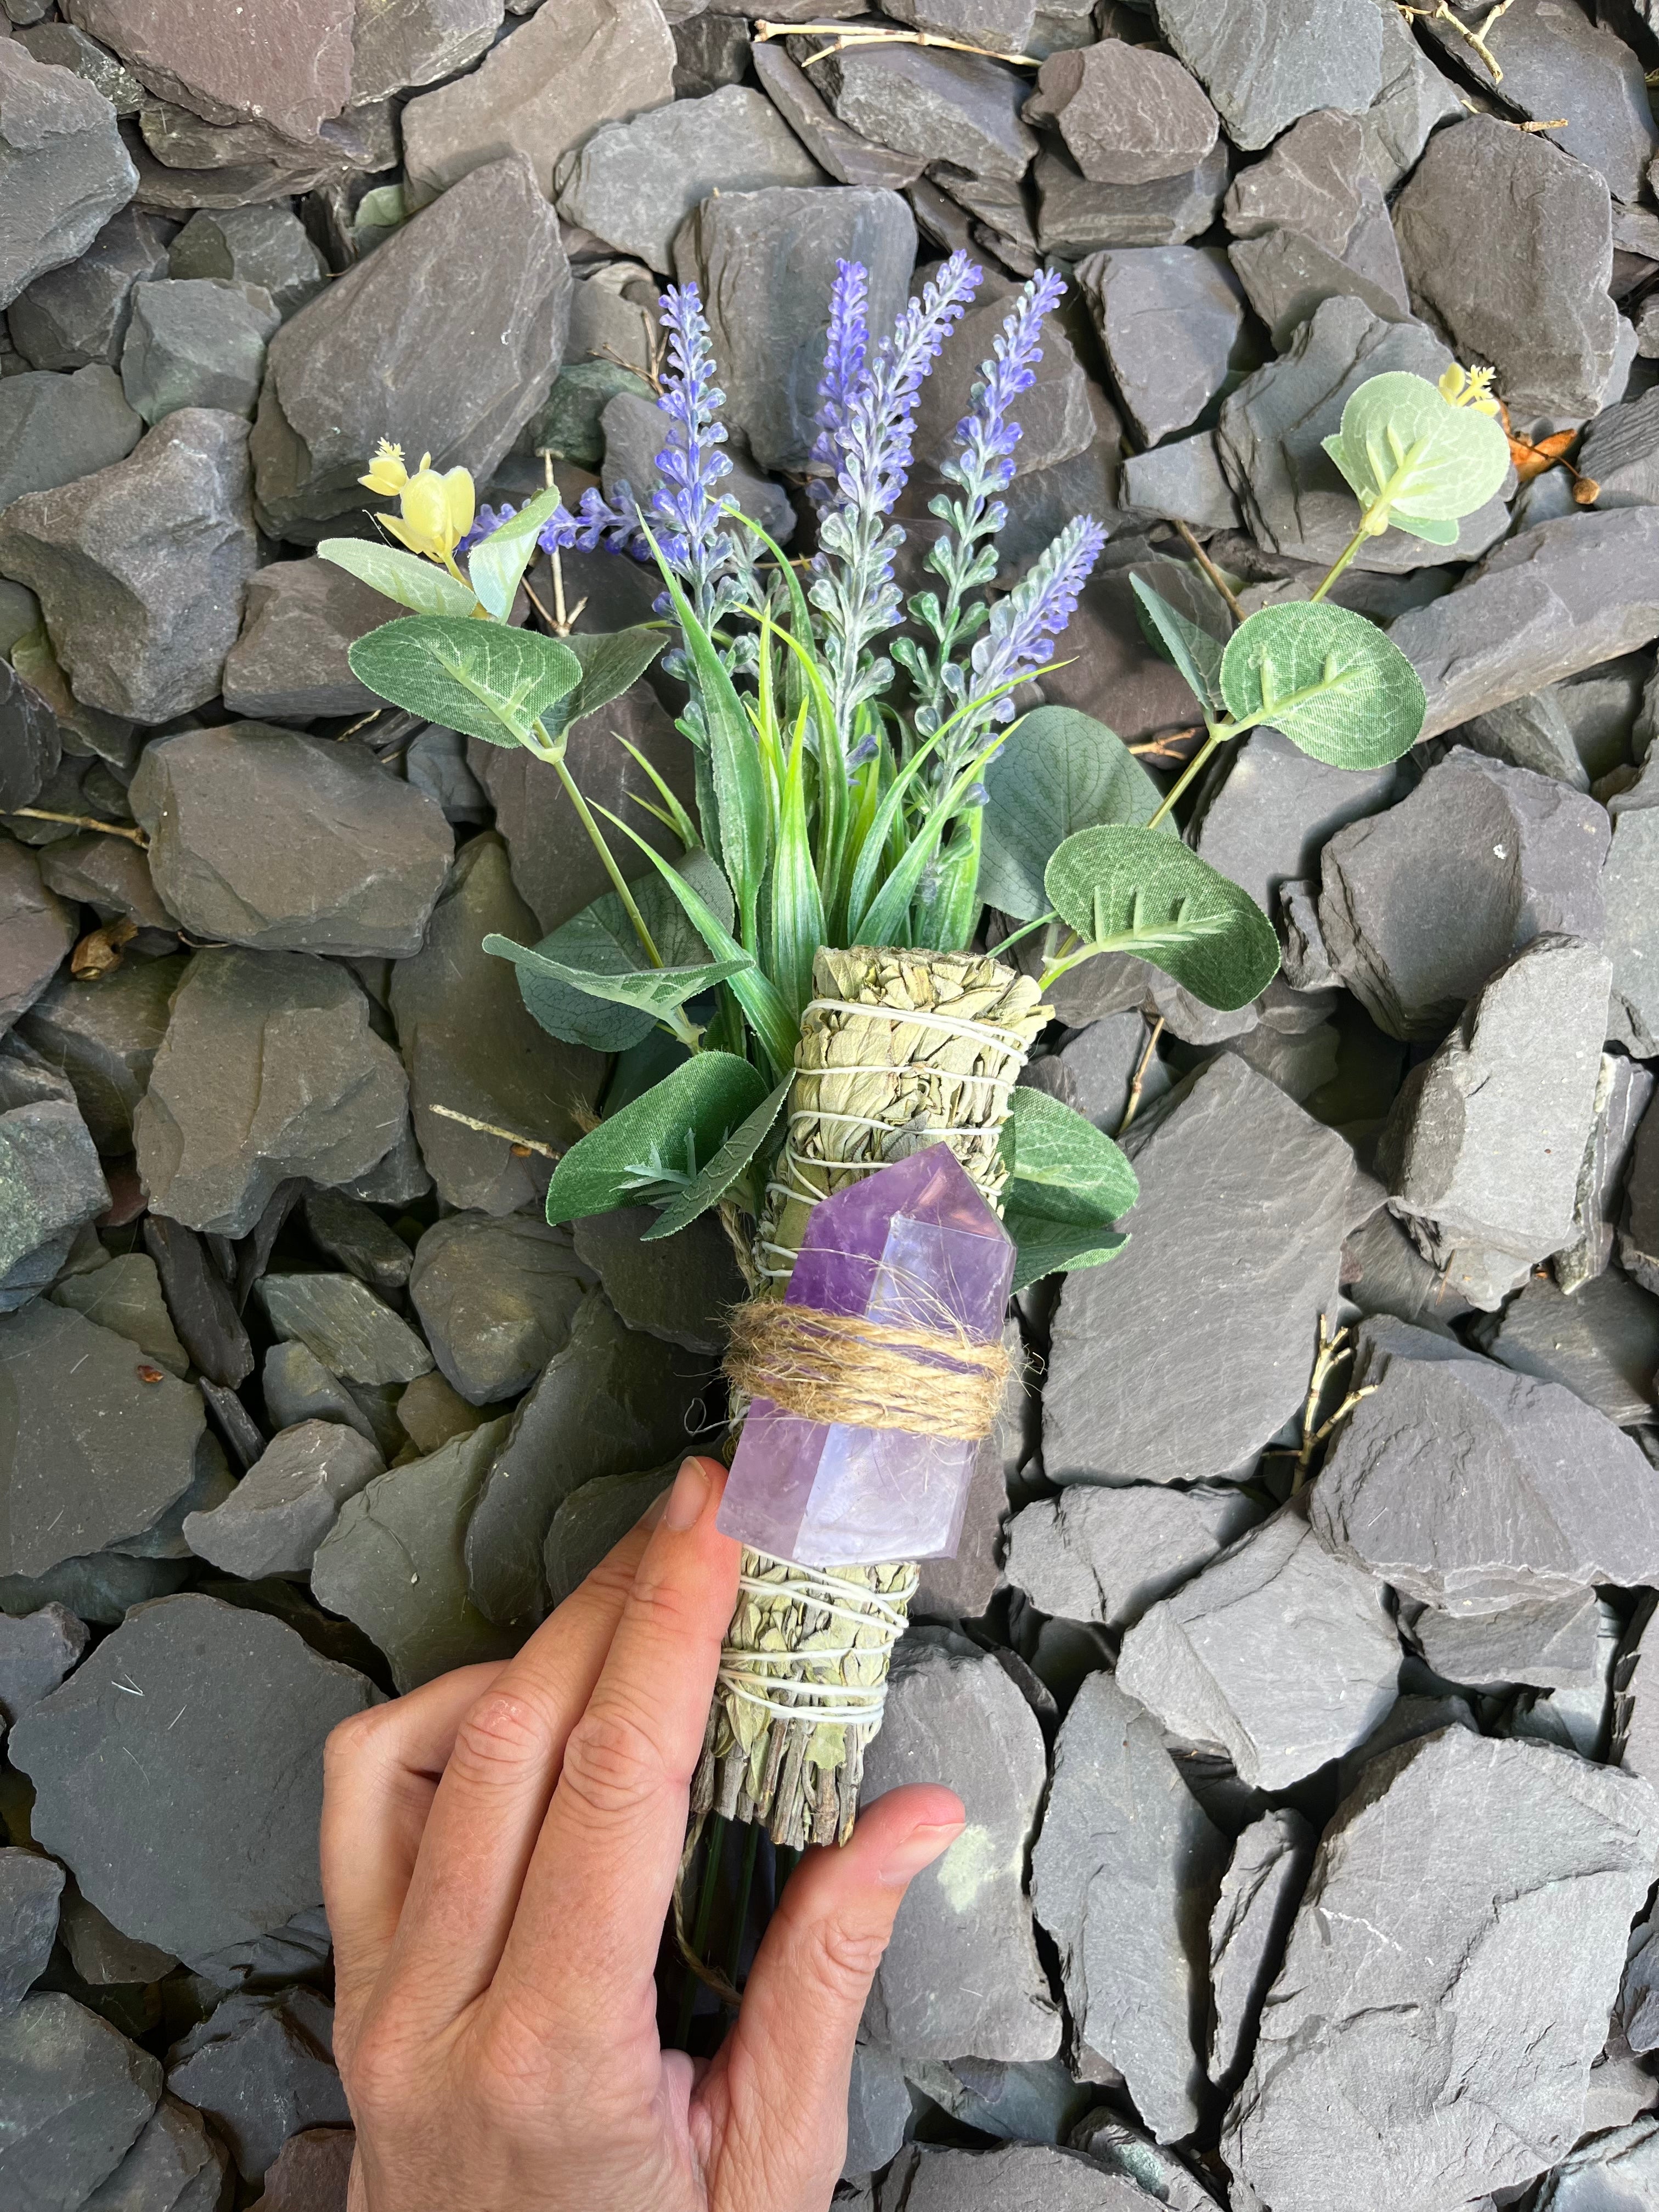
column 425, row 506
column 459, row 502
column 1452, row 382
column 386, row 473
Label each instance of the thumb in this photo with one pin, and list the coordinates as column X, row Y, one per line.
column 791, row 2054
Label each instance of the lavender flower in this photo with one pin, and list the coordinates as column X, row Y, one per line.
column 1020, row 634
column 485, row 523
column 697, row 543
column 598, row 525
column 846, row 346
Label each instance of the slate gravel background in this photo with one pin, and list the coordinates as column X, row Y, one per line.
column 1312, row 1837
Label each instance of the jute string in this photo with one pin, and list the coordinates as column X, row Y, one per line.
column 867, row 1374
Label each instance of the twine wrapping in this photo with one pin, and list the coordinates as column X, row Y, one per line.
column 835, row 1367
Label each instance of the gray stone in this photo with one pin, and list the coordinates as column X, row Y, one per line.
column 298, row 1388
column 1621, row 453
column 878, row 2108
column 50, row 1179
column 312, row 2173
column 1631, row 885
column 1276, row 1653
column 1623, row 1090
column 103, row 1036
column 1287, row 278
column 196, row 342
column 496, row 1299
column 1613, row 2171
column 1260, row 1892
column 1422, row 904
column 1035, row 2177
column 287, row 1501
column 1107, row 1555
column 37, row 1650
column 1309, row 183
column 1170, row 321
column 633, row 431
column 1602, row 1342
column 1129, row 115
column 36, row 931
column 1004, row 25
column 1270, row 428
column 1183, row 481
column 401, row 43
column 541, row 91
column 938, row 106
column 633, row 183
column 1482, row 1147
column 1526, row 289
column 1415, row 100
column 840, row 153
column 765, row 261
column 65, row 47
column 206, row 1835
column 393, row 1562
column 110, row 875
column 592, row 1520
column 64, row 171
column 431, row 1412
column 199, row 1296
column 100, row 1587
column 262, row 837
column 468, row 1045
column 1101, row 1063
column 679, row 1290
column 1237, row 1234
column 290, row 661
column 710, row 51
column 125, row 1297
column 270, row 1068
column 1278, row 808
column 56, row 428
column 341, row 1322
column 1462, row 1876
column 264, row 246
column 30, row 743
column 140, row 567
column 1638, row 1232
column 101, row 1954
column 1552, row 1646
column 462, row 311
column 75, row 316
column 262, row 2068
column 30, row 1886
column 76, row 2094
column 1075, row 217
column 1267, row 62
column 356, row 1236
column 436, row 763
column 290, row 67
column 1139, row 2164
column 962, row 1972
column 1124, row 1878
column 1549, row 1496
column 175, row 2164
column 1532, row 733
column 1036, row 2102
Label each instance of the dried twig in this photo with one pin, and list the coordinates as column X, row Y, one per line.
column 519, row 1144
column 1169, row 744
column 877, row 35
column 1441, row 13
column 81, row 821
column 1212, row 572
column 1334, row 1351
column 1131, row 1105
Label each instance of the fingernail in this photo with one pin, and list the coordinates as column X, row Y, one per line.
column 688, row 1497
column 920, row 1849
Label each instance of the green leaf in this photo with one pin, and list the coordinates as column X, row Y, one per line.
column 1410, row 455
column 667, row 1137
column 497, row 562
column 1059, row 771
column 1044, row 1247
column 1328, row 679
column 1196, row 654
column 610, row 661
column 1064, row 1168
column 650, row 992
column 397, row 576
column 723, row 1170
column 480, row 678
column 1131, row 889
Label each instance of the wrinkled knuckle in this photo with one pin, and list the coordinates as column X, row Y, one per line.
column 349, row 1741
column 502, row 1734
column 377, row 2075
column 843, row 1960
column 666, row 1607
column 612, row 1763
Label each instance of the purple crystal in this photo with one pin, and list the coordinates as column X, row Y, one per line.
column 914, row 1245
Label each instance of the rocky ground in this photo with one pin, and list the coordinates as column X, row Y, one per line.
column 1313, row 1836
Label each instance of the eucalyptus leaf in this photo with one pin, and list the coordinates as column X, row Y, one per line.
column 481, row 678
column 1042, row 1247
column 649, row 991
column 1328, row 679
column 1064, row 1168
column 723, row 1170
column 1058, row 772
column 1196, row 654
column 399, row 575
column 610, row 661
column 1130, row 890
column 663, row 1140
column 497, row 562
column 1411, row 457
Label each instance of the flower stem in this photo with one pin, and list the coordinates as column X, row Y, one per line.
column 1346, row 555
column 555, row 756
column 1219, row 732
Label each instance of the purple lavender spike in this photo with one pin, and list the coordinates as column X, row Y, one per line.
column 916, row 1246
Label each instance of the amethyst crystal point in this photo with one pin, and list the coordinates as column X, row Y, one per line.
column 914, row 1246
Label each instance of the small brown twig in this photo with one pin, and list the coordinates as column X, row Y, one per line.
column 1440, row 13
column 519, row 1144
column 373, row 715
column 876, row 35
column 81, row 821
column 1169, row 744
column 652, row 375
column 1131, row 1105
column 1212, row 572
column 1334, row 1351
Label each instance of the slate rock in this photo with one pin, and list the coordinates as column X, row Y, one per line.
column 99, row 1587
column 297, row 1388
column 175, row 2164
column 111, row 876
column 1481, row 1149
column 261, row 2067
column 55, row 428
column 1287, row 278
column 1609, row 2173
column 1601, row 1343
column 468, row 1045
column 679, row 1290
column 76, row 315
column 338, row 1319
column 840, row 153
column 1421, row 904
column 1276, row 809
column 1638, row 1232
column 200, row 1301
column 65, row 47
column 1550, row 1496
column 207, row 1835
column 1128, row 115
column 1004, row 25
column 311, row 2171
column 764, row 263
column 431, row 1412
column 393, row 48
column 1552, row 1646
column 1620, row 453
column 264, row 246
column 1101, row 1062
column 287, row 1501
column 393, row 1564
column 197, row 341
column 1308, row 183
column 37, row 1650
column 1108, row 1554
column 1460, row 1876
column 1182, row 480
column 290, row 67
column 611, row 1402
column 1415, row 100
column 1533, row 734
column 76, row 2094
column 1548, row 325
column 269, row 1069
column 632, row 431
column 435, row 764
column 356, row 1236
column 1170, row 321
column 1629, row 885
column 1124, row 1878
column 878, row 2108
column 37, row 931
column 1042, row 2177
column 289, row 663
column 1075, row 217
column 50, row 1183
column 125, row 1297
column 962, row 1972
column 30, row 1886
column 140, row 567
column 1623, row 1090
column 101, row 1954
column 103, row 1037
column 1252, row 1920
column 463, row 310
column 1270, row 61
column 541, row 91
column 497, row 1300
column 937, row 105
column 263, row 837
column 592, row 1520
column 1238, row 1233
column 64, row 172
column 31, row 743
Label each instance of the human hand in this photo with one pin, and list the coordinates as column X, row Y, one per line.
column 500, row 1849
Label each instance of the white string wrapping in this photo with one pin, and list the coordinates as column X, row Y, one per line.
column 840, row 1600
